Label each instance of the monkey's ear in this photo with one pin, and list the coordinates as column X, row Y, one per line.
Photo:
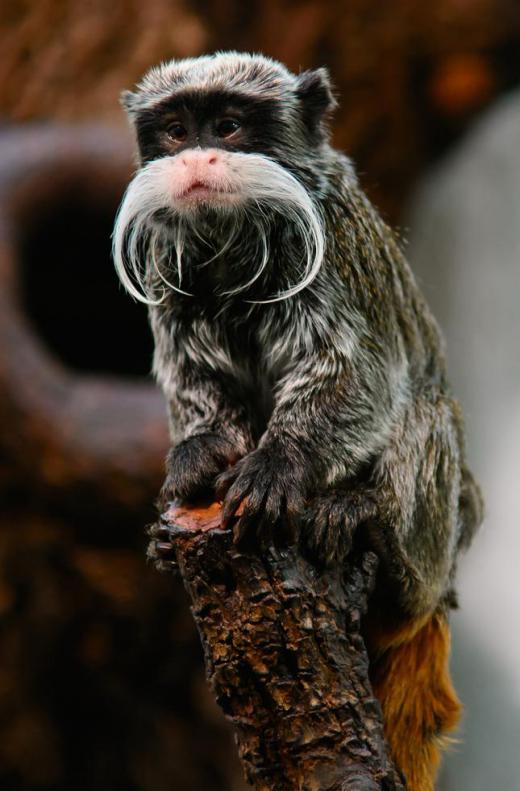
column 315, row 93
column 128, row 99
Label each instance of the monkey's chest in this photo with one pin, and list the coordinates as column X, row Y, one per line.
column 255, row 384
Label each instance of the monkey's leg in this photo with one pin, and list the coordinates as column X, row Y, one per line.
column 420, row 484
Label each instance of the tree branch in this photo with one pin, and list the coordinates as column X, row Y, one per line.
column 284, row 656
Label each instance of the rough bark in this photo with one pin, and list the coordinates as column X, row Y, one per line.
column 284, row 656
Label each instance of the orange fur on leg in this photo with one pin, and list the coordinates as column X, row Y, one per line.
column 410, row 677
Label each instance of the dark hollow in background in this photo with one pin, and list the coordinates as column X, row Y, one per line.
column 70, row 288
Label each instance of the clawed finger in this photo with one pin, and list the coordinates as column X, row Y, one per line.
column 224, row 482
column 235, row 495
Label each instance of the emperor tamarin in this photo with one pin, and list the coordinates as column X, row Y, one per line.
column 304, row 373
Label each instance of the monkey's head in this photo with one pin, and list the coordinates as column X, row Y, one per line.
column 228, row 144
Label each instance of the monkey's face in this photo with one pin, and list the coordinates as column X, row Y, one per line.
column 231, row 137
column 197, row 136
column 194, row 138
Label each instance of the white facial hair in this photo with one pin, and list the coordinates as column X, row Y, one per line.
column 257, row 185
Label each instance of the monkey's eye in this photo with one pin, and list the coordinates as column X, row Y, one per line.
column 227, row 127
column 177, row 131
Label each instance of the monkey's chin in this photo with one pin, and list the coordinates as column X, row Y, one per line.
column 201, row 198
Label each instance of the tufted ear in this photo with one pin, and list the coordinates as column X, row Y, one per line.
column 315, row 93
column 128, row 100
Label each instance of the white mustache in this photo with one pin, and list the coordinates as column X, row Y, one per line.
column 263, row 186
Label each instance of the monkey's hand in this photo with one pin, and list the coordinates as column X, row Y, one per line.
column 270, row 486
column 331, row 519
column 193, row 465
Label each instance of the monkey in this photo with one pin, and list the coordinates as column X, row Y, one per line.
column 304, row 374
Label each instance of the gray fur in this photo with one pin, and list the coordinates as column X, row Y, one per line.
column 338, row 390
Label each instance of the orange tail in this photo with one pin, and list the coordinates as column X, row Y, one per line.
column 410, row 677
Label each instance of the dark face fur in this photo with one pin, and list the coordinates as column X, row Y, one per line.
column 233, row 142
column 214, row 120
column 278, row 114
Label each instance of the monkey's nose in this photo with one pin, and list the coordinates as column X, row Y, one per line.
column 191, row 159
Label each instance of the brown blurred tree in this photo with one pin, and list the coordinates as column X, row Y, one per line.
column 101, row 683
column 411, row 75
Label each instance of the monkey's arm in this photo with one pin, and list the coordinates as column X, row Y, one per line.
column 210, row 432
column 331, row 416
column 210, row 422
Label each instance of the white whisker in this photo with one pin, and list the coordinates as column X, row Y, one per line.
column 158, row 270
column 263, row 264
column 227, row 245
column 261, row 188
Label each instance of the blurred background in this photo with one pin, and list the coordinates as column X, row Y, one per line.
column 101, row 678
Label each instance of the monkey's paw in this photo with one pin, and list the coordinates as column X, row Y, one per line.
column 270, row 489
column 330, row 521
column 193, row 465
column 161, row 550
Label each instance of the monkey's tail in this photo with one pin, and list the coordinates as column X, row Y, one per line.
column 410, row 677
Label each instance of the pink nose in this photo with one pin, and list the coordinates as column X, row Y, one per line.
column 199, row 159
